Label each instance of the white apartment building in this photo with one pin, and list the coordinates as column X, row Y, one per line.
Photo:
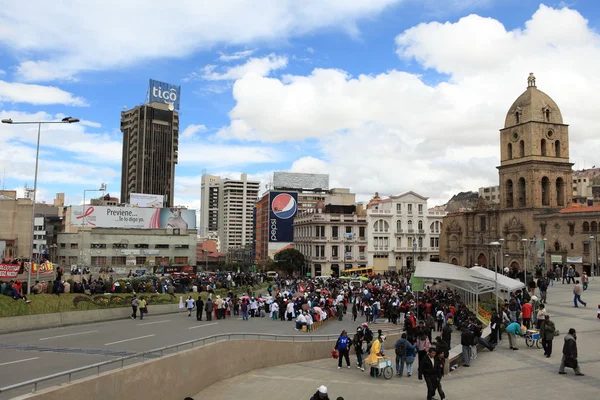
column 331, row 241
column 210, row 189
column 490, row 193
column 401, row 230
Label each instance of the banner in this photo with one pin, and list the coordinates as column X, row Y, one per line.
column 162, row 92
column 45, row 268
column 556, row 259
column 574, row 260
column 146, row 200
column 283, row 208
column 133, row 217
column 9, row 271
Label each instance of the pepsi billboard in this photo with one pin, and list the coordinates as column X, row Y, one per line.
column 283, row 208
column 162, row 92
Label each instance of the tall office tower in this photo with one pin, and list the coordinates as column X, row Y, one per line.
column 234, row 215
column 150, row 145
column 210, row 192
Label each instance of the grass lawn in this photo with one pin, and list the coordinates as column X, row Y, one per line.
column 50, row 303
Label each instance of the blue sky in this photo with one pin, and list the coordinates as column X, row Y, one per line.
column 386, row 95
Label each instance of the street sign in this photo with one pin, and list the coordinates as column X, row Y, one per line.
column 417, row 283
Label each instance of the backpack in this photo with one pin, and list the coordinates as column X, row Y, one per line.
column 401, row 349
column 368, row 335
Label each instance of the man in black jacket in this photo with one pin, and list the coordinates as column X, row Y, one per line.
column 430, row 372
column 569, row 358
column 466, row 340
column 199, row 308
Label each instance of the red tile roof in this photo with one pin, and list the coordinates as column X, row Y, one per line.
column 574, row 209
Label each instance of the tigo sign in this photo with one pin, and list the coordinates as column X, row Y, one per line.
column 162, row 92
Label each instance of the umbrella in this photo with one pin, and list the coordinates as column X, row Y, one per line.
column 298, row 294
column 325, row 291
column 246, row 297
column 345, row 278
column 363, row 278
column 318, row 309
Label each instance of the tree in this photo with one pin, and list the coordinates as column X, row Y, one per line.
column 290, row 260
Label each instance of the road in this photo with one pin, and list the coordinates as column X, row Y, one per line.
column 34, row 354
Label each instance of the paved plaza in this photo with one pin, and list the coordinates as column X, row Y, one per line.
column 501, row 374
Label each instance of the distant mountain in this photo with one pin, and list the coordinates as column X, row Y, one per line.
column 462, row 200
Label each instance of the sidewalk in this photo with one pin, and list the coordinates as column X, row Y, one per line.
column 500, row 374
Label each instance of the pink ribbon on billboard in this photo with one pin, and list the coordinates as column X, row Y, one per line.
column 89, row 211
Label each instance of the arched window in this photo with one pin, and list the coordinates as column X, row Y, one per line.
column 509, row 151
column 557, row 148
column 547, row 115
column 410, row 227
column 522, row 193
column 586, row 226
column 594, row 226
column 556, row 246
column 399, row 226
column 518, row 117
column 522, row 148
column 420, row 225
column 560, row 192
column 545, row 191
column 432, row 227
column 509, row 194
column 543, row 147
column 381, row 226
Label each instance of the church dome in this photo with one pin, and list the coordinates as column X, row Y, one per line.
column 533, row 105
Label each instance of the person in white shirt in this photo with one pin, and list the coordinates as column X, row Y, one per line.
column 309, row 322
column 300, row 321
column 194, row 288
column 274, row 310
column 289, row 310
column 189, row 304
column 253, row 307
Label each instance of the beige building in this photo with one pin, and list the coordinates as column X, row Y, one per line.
column 490, row 193
column 118, row 247
column 15, row 223
column 401, row 230
column 536, row 197
column 332, row 238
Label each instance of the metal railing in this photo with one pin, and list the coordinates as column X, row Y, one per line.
column 160, row 352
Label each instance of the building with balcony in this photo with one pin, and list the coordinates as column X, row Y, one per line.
column 331, row 238
column 402, row 230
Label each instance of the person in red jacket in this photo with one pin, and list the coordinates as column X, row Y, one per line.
column 526, row 310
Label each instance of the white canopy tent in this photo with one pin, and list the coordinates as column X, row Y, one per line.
column 472, row 282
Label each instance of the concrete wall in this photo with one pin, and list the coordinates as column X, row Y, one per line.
column 187, row 373
column 54, row 320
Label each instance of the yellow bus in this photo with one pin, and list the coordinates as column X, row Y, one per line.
column 362, row 271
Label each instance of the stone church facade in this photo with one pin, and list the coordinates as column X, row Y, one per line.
column 536, row 198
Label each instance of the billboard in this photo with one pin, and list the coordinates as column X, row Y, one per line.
column 146, row 200
column 282, row 209
column 162, row 92
column 300, row 180
column 133, row 217
column 9, row 271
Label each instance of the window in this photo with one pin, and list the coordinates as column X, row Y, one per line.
column 594, row 226
column 420, row 208
column 509, row 194
column 482, row 225
column 522, row 149
column 420, row 225
column 586, row 247
column 161, row 246
column 320, row 231
column 63, row 245
column 141, row 245
column 545, row 191
column 379, row 226
column 98, row 260
column 72, row 259
column 572, row 247
column 140, row 260
column 410, row 226
column 518, row 117
column 182, row 246
column 543, row 147
column 349, row 228
column 547, row 115
column 398, row 208
column 409, row 208
column 118, row 260
column 335, row 232
column 74, row 246
column 399, row 226
column 361, row 231
column 98, row 246
column 557, row 148
column 119, row 245
column 560, row 192
column 586, row 227
column 334, row 252
column 180, row 260
column 509, row 151
column 521, row 190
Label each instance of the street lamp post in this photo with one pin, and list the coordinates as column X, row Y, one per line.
column 525, row 246
column 83, row 215
column 414, row 250
column 66, row 120
column 495, row 246
column 595, row 252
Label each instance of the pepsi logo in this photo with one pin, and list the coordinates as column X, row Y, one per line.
column 284, row 206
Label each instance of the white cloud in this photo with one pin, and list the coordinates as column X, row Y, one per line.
column 238, row 55
column 2, row 72
column 310, row 50
column 254, row 66
column 37, row 94
column 141, row 30
column 396, row 131
column 191, row 130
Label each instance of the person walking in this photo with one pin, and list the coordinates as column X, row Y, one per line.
column 513, row 330
column 208, row 308
column 495, row 322
column 585, row 280
column 569, row 358
column 343, row 346
column 423, row 345
column 440, row 361
column 577, row 291
column 409, row 358
column 428, row 370
column 547, row 332
column 189, row 304
column 400, row 347
column 358, row 342
column 199, row 308
column 134, row 306
column 143, row 306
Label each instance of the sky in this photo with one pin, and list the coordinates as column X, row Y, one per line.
column 385, row 96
